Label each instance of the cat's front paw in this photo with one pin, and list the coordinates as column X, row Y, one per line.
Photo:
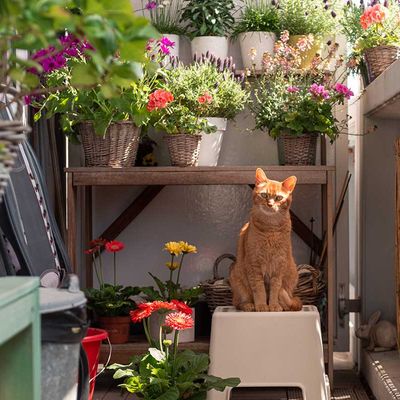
column 262, row 307
column 275, row 308
column 247, row 307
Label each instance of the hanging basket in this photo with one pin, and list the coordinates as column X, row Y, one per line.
column 183, row 149
column 297, row 150
column 117, row 149
column 379, row 58
column 217, row 290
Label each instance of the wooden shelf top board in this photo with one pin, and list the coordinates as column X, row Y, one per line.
column 224, row 175
column 381, row 98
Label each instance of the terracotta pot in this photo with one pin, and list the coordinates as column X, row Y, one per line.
column 117, row 328
column 308, row 55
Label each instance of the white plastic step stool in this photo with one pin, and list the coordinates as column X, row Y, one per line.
column 269, row 349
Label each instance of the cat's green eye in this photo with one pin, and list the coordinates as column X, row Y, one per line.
column 264, row 195
column 278, row 198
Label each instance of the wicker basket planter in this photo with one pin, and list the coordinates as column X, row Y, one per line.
column 379, row 58
column 297, row 150
column 117, row 149
column 183, row 149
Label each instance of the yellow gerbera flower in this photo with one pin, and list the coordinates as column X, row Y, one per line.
column 187, row 248
column 173, row 248
column 172, row 266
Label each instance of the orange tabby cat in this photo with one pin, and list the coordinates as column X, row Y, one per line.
column 265, row 274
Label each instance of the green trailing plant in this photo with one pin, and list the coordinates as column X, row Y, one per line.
column 208, row 17
column 165, row 15
column 257, row 16
column 303, row 17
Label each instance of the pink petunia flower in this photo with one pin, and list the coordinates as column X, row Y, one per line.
column 166, row 42
column 151, row 5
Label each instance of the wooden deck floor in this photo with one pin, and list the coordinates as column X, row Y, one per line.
column 347, row 387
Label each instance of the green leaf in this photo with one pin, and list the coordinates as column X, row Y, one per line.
column 157, row 354
column 171, row 394
column 120, row 373
column 83, row 75
column 133, row 51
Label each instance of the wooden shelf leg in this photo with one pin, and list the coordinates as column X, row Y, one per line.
column 88, row 235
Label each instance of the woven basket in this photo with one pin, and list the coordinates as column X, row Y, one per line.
column 217, row 290
column 117, row 149
column 297, row 150
column 183, row 149
column 379, row 58
column 310, row 288
column 311, row 285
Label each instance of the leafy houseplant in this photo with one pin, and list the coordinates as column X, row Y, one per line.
column 111, row 303
column 108, row 27
column 107, row 118
column 172, row 289
column 209, row 88
column 255, row 30
column 209, row 22
column 374, row 34
column 296, row 106
column 164, row 371
column 307, row 17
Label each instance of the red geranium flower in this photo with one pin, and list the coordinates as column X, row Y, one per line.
column 143, row 310
column 179, row 321
column 182, row 307
column 159, row 100
column 114, row 246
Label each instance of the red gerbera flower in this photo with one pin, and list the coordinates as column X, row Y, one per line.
column 182, row 307
column 98, row 242
column 162, row 305
column 144, row 310
column 114, row 246
column 92, row 250
column 179, row 321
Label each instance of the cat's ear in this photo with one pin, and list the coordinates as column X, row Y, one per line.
column 260, row 177
column 289, row 183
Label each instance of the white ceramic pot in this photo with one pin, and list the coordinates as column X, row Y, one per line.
column 216, row 45
column 261, row 42
column 211, row 143
column 157, row 319
column 174, row 51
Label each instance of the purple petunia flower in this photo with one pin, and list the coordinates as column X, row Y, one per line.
column 166, row 42
column 151, row 5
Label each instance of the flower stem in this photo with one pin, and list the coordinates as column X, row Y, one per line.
column 176, row 342
column 115, row 268
column 161, row 338
column 146, row 331
column 179, row 270
column 101, row 269
column 170, row 295
column 95, row 269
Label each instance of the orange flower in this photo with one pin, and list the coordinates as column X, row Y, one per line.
column 182, row 307
column 179, row 321
column 162, row 305
column 159, row 100
column 114, row 246
column 143, row 311
column 373, row 15
column 205, row 98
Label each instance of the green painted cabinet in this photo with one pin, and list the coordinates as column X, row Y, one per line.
column 19, row 338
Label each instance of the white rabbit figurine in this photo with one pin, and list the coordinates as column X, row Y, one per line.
column 381, row 336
